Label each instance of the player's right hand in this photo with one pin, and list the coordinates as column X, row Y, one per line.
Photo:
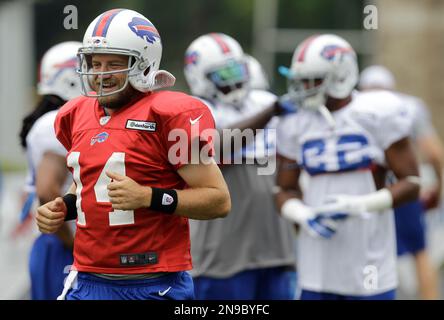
column 51, row 215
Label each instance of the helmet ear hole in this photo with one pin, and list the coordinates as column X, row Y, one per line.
column 147, row 70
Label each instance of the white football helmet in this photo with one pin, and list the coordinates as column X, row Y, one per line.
column 377, row 77
column 215, row 68
column 258, row 76
column 57, row 74
column 124, row 32
column 329, row 64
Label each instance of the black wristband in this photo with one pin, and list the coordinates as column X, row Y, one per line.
column 71, row 208
column 163, row 200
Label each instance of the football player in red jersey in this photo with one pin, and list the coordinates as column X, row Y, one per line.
column 135, row 184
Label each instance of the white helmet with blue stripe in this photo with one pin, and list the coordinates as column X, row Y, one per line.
column 124, row 32
column 57, row 74
column 322, row 66
column 216, row 68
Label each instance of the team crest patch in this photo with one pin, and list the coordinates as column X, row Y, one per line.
column 167, row 199
column 141, row 125
column 101, row 137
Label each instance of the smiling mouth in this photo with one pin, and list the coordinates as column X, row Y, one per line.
column 107, row 87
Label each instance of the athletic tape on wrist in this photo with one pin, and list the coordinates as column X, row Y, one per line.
column 414, row 179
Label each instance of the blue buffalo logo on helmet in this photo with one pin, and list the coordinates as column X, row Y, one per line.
column 101, row 137
column 144, row 29
column 68, row 64
column 191, row 58
column 329, row 52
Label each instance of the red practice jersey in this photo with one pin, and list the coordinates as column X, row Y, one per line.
column 133, row 142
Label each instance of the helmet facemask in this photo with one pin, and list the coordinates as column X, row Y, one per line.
column 230, row 81
column 310, row 93
column 88, row 76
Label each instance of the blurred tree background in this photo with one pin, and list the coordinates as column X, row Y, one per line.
column 180, row 22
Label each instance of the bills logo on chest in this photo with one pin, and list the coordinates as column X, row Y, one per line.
column 99, row 138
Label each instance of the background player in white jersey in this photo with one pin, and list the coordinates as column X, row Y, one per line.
column 409, row 218
column 346, row 143
column 249, row 254
column 51, row 253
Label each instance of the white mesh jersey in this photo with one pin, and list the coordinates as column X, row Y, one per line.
column 360, row 258
column 41, row 138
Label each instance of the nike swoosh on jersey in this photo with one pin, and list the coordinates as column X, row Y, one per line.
column 195, row 120
column 164, row 292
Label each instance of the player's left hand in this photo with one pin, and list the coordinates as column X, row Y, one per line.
column 126, row 194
